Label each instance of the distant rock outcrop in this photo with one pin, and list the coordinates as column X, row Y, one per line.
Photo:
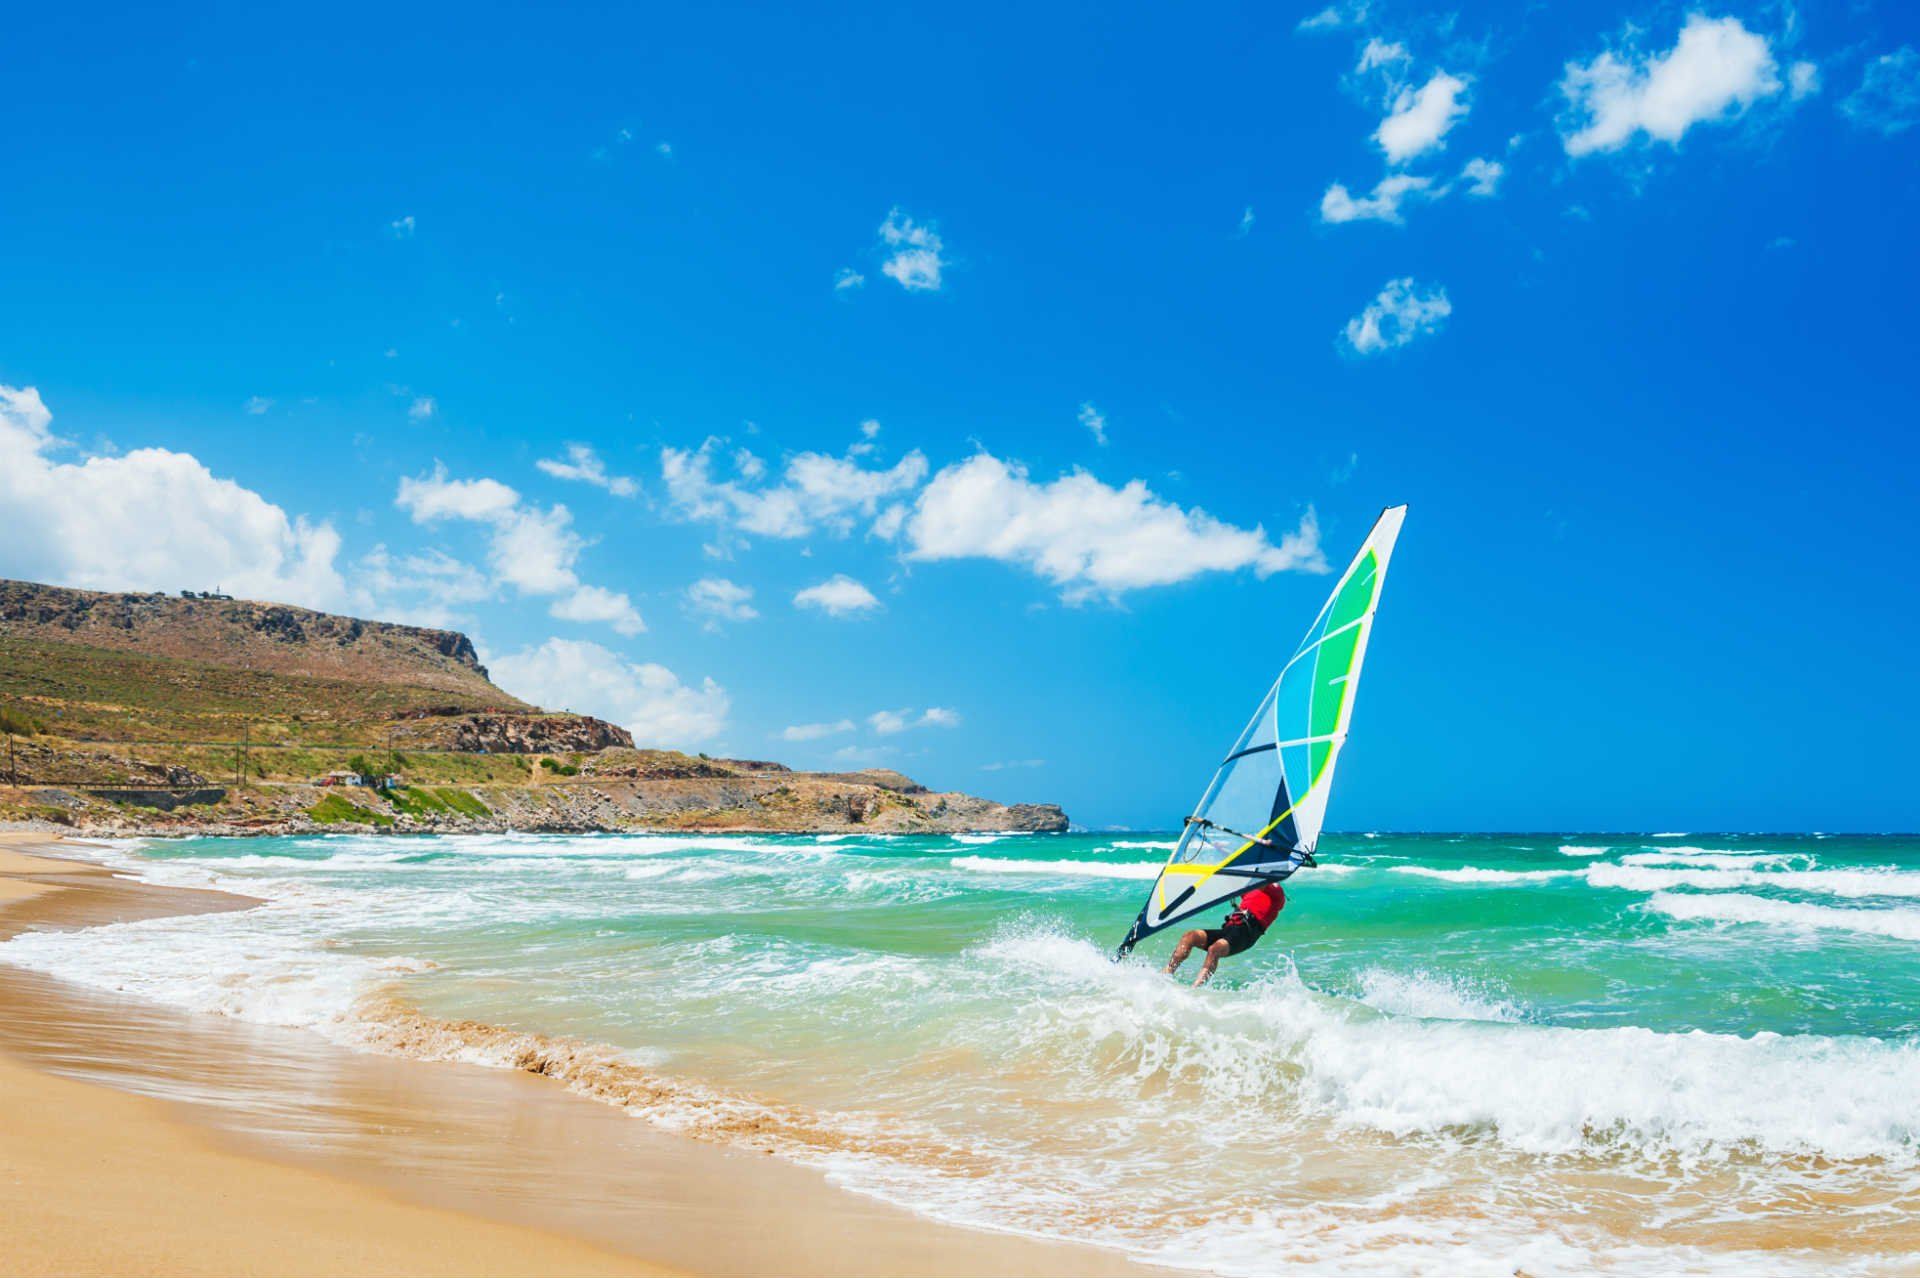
column 113, row 699
column 269, row 637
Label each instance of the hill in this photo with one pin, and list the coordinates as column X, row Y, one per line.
column 150, row 713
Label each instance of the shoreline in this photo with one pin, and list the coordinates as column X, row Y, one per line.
column 312, row 1143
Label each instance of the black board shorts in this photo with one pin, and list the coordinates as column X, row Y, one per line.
column 1238, row 936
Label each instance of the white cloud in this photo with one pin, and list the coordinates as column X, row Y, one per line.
column 869, row 428
column 814, row 731
column 1483, row 176
column 596, row 604
column 719, row 600
column 1381, row 206
column 1803, row 80
column 1003, row 765
column 1716, row 70
column 1888, row 99
column 1379, row 54
column 838, row 596
column 816, row 491
column 422, row 408
column 892, row 722
column 532, row 549
column 1402, row 312
column 848, row 278
column 914, row 250
column 887, row 524
column 1246, row 221
column 436, row 497
column 402, row 228
column 864, row 756
column 1086, row 537
column 438, row 578
column 1091, row 418
column 664, row 149
column 888, row 722
column 647, row 699
column 584, row 465
column 1421, row 117
column 258, row 404
column 151, row 519
column 1332, row 18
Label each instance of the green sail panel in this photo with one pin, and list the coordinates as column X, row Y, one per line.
column 1259, row 818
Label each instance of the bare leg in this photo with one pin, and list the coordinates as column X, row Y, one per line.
column 1215, row 952
column 1180, row 951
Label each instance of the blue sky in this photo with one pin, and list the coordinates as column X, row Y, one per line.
column 977, row 392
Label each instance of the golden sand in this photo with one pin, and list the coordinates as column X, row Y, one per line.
column 274, row 1152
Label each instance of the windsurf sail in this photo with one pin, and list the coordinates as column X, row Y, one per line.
column 1260, row 817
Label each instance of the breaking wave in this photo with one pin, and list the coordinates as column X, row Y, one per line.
column 1738, row 907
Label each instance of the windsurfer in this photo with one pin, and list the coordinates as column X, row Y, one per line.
column 1252, row 914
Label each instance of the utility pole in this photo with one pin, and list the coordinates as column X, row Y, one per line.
column 389, row 750
column 13, row 769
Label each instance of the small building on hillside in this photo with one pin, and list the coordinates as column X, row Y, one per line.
column 340, row 778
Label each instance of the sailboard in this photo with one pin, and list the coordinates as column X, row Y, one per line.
column 1259, row 819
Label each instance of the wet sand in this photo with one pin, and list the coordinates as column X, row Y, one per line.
column 250, row 1149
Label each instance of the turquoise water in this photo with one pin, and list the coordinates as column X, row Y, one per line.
column 1452, row 1052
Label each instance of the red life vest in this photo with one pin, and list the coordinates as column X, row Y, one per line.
column 1263, row 904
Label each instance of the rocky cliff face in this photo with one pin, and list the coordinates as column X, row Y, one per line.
column 506, row 731
column 269, row 637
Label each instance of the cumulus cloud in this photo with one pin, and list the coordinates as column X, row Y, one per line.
column 1888, row 99
column 718, row 599
column 1086, row 537
column 530, row 548
column 151, row 519
column 648, row 700
column 1380, row 54
column 583, row 465
column 1094, row 421
column 814, row 731
column 891, row 722
column 1421, row 117
column 596, row 604
column 1483, row 176
column 816, row 491
column 422, row 408
column 1803, row 80
column 837, row 596
column 1402, row 312
column 848, row 278
column 1383, row 205
column 913, row 251
column 1715, row 71
column 1332, row 18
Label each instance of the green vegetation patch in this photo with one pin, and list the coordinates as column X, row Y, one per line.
column 559, row 768
column 463, row 803
column 19, row 722
column 335, row 810
column 416, row 801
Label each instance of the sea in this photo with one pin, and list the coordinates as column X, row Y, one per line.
column 1453, row 1053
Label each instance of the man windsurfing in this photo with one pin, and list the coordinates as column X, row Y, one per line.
column 1245, row 924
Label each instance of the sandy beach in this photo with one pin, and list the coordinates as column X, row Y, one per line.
column 144, row 1140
